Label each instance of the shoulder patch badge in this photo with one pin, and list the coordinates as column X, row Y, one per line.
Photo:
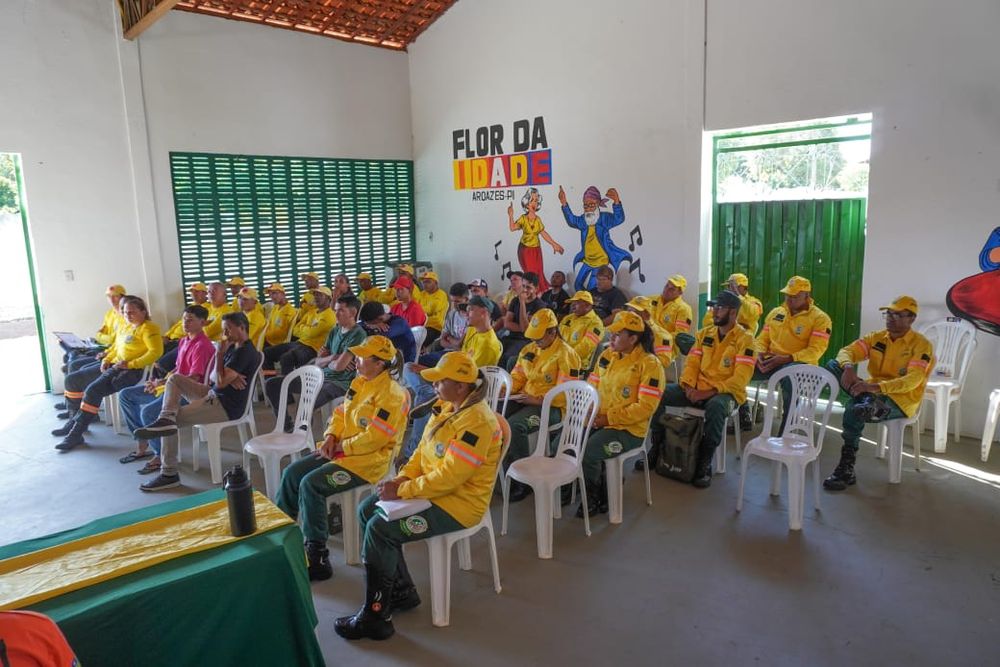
column 470, row 438
column 382, row 414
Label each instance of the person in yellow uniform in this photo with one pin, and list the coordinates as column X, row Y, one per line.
column 750, row 311
column 715, row 377
column 629, row 380
column 367, row 291
column 542, row 364
column 454, row 468
column 307, row 303
column 113, row 318
column 173, row 336
column 672, row 313
column 434, row 301
column 358, row 447
column 582, row 328
column 234, row 285
column 899, row 363
column 217, row 306
column 308, row 336
column 255, row 315
column 138, row 344
column 281, row 317
column 663, row 342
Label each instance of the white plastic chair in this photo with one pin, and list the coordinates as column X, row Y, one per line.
column 211, row 434
column 439, row 551
column 259, row 344
column 801, row 442
column 271, row 447
column 546, row 474
column 614, row 471
column 498, row 387
column 990, row 427
column 892, row 430
column 954, row 344
column 419, row 336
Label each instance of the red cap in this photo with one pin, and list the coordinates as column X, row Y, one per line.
column 403, row 281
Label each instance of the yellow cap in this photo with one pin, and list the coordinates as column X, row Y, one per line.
column 248, row 293
column 903, row 303
column 627, row 320
column 375, row 346
column 541, row 321
column 198, row 287
column 457, row 366
column 643, row 303
column 582, row 295
column 310, row 274
column 308, row 298
column 738, row 278
column 236, row 280
column 276, row 287
column 322, row 290
column 364, row 276
column 796, row 285
column 430, row 275
column 678, row 281
column 115, row 290
column 405, row 268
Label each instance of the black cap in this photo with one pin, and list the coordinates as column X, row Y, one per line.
column 726, row 299
column 482, row 302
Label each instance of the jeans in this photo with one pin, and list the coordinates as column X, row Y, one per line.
column 423, row 391
column 140, row 408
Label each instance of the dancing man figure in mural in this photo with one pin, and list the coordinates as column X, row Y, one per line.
column 596, row 247
column 529, row 249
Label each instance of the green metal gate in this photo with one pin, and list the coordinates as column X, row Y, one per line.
column 820, row 239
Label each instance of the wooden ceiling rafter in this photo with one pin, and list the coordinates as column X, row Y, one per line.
column 139, row 15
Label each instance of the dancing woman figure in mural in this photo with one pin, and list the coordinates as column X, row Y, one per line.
column 977, row 298
column 529, row 249
column 596, row 247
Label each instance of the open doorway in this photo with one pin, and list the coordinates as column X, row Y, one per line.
column 21, row 347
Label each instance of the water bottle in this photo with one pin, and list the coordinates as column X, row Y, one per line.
column 239, row 495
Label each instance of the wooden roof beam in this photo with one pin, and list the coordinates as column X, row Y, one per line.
column 151, row 17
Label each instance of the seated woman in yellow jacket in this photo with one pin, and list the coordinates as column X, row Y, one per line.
column 454, row 468
column 630, row 381
column 358, row 448
column 138, row 344
column 541, row 365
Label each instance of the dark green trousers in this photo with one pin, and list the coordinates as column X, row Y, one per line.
column 305, row 486
column 717, row 409
column 605, row 443
column 525, row 420
column 382, row 542
column 853, row 426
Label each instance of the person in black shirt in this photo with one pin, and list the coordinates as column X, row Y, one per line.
column 556, row 296
column 223, row 399
column 519, row 312
column 608, row 299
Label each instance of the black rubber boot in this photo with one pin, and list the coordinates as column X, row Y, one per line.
column 404, row 593
column 703, row 468
column 65, row 428
column 374, row 619
column 318, row 557
column 74, row 437
column 518, row 491
column 843, row 475
column 593, row 501
column 649, row 459
column 746, row 424
column 565, row 494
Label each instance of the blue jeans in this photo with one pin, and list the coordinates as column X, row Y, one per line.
column 141, row 409
column 423, row 391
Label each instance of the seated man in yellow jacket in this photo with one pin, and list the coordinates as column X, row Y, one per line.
column 250, row 306
column 663, row 342
column 76, row 358
column 217, row 306
column 174, row 335
column 308, row 336
column 672, row 313
column 367, row 291
column 434, row 301
column 899, row 363
column 582, row 328
column 750, row 311
column 716, row 373
column 281, row 317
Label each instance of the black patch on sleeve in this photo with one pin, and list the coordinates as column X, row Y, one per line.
column 350, row 394
column 925, row 357
column 382, row 414
column 654, row 382
column 470, row 438
column 829, row 330
column 597, row 332
column 780, row 317
column 575, row 372
column 688, row 320
column 748, row 352
column 880, row 346
column 529, row 356
column 603, row 362
column 708, row 341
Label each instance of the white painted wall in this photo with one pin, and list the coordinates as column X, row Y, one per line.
column 619, row 87
column 930, row 72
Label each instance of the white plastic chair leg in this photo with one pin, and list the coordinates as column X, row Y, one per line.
column 272, row 474
column 494, row 560
column 215, row 455
column 916, row 445
column 439, row 557
column 613, row 474
column 465, row 554
column 719, row 461
column 504, row 486
column 796, row 496
column 557, row 502
column 544, row 500
column 815, row 465
column 744, row 462
column 895, row 435
column 649, row 490
column 990, row 427
column 958, row 418
column 940, row 420
column 351, row 533
column 881, row 448
column 776, row 478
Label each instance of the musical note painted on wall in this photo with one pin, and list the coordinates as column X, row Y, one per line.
column 634, row 266
column 496, row 252
column 505, row 271
column 634, row 238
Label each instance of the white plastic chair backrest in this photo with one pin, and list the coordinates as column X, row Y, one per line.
column 210, row 369
column 419, row 336
column 954, row 342
column 252, row 387
column 311, row 379
column 498, row 385
column 582, row 402
column 504, row 446
column 808, row 384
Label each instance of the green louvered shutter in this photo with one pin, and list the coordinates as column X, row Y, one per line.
column 770, row 241
column 269, row 218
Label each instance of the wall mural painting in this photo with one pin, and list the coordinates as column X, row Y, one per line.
column 977, row 298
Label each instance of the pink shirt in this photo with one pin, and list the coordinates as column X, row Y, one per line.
column 413, row 313
column 193, row 355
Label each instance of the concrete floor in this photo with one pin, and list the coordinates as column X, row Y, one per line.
column 897, row 574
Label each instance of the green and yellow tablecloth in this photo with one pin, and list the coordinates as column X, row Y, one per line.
column 167, row 585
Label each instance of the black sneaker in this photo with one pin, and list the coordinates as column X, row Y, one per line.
column 161, row 427
column 519, row 491
column 69, row 442
column 702, row 475
column 161, row 482
column 843, row 476
column 318, row 558
column 334, row 520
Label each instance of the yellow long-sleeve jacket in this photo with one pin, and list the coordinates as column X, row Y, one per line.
column 583, row 334
column 805, row 335
column 749, row 316
column 370, row 424
column 674, row 316
column 484, row 348
column 377, row 295
column 724, row 365
column 176, row 331
column 257, row 322
column 539, row 370
column 900, row 367
column 109, row 325
column 213, row 325
column 435, row 307
column 139, row 346
column 663, row 344
column 630, row 386
column 455, row 463
column 279, row 321
column 314, row 329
